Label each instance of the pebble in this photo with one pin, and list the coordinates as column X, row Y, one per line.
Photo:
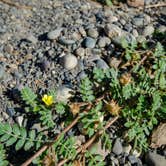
column 117, row 147
column 141, row 39
column 10, row 112
column 80, row 52
column 135, row 3
column 19, row 120
column 31, row 38
column 138, row 20
column 103, row 41
column 132, row 159
column 45, row 65
column 155, row 159
column 148, row 31
column 92, row 33
column 100, row 63
column 136, row 153
column 112, row 30
column 69, row 61
column 2, row 72
column 89, row 42
column 135, row 33
column 65, row 41
column 52, row 35
column 127, row 149
column 161, row 29
column 8, row 48
column 63, row 93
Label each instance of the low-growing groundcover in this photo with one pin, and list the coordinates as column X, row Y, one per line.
column 134, row 93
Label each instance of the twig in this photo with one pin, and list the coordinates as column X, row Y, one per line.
column 40, row 151
column 8, row 2
column 156, row 5
column 90, row 141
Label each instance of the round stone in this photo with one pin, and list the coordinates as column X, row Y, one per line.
column 92, row 33
column 80, row 52
column 103, row 41
column 69, row 61
column 54, row 34
column 148, row 31
column 112, row 30
column 89, row 42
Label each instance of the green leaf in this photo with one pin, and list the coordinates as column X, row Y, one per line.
column 19, row 144
column 16, row 129
column 32, row 134
column 28, row 145
column 23, row 132
column 11, row 141
column 5, row 137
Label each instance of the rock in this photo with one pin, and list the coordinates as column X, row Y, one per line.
column 114, row 62
column 69, row 61
column 136, row 153
column 80, row 52
column 66, row 41
column 117, row 147
column 112, row 30
column 32, row 39
column 19, row 120
column 159, row 136
column 63, row 93
column 135, row 3
column 100, row 63
column 148, row 31
column 8, row 48
column 161, row 29
column 127, row 149
column 125, row 36
column 96, row 148
column 89, row 42
column 52, row 35
column 10, row 112
column 141, row 39
column 135, row 33
column 2, row 72
column 103, row 41
column 138, row 20
column 132, row 159
column 154, row 159
column 92, row 33
column 82, row 31
column 45, row 65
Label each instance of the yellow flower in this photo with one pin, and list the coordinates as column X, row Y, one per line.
column 48, row 100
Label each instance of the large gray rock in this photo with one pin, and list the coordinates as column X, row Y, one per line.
column 153, row 159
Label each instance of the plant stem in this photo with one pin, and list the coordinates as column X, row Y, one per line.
column 90, row 141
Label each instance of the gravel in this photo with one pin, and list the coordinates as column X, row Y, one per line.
column 57, row 43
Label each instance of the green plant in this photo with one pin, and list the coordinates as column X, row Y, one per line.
column 86, row 90
column 3, row 161
column 20, row 137
column 92, row 120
